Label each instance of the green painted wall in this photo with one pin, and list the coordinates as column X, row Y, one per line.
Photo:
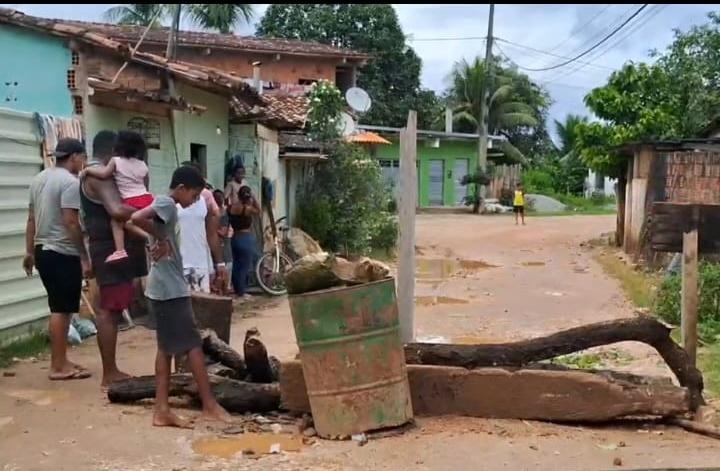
column 448, row 151
column 198, row 129
column 33, row 72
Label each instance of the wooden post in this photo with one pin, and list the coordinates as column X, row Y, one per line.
column 407, row 207
column 689, row 313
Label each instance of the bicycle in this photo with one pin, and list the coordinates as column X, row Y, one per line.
column 270, row 269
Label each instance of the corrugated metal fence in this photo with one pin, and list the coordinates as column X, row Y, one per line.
column 22, row 299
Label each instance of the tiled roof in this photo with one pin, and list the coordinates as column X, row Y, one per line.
column 131, row 33
column 176, row 102
column 367, row 137
column 297, row 142
column 201, row 76
column 280, row 110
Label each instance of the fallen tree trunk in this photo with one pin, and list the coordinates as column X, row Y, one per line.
column 538, row 394
column 641, row 329
column 223, row 353
column 234, row 396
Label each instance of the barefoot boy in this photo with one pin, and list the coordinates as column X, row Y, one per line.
column 169, row 299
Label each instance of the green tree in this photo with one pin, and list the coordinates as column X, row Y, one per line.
column 515, row 104
column 569, row 171
column 391, row 77
column 141, row 14
column 221, row 17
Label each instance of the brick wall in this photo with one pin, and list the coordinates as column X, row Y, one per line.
column 692, row 177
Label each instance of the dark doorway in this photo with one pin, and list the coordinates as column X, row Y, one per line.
column 198, row 154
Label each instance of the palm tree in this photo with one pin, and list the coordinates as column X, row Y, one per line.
column 221, row 17
column 141, row 14
column 504, row 111
column 570, row 169
column 567, row 133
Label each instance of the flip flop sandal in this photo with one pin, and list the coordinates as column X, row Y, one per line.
column 74, row 374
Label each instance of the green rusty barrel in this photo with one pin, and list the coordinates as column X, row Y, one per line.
column 352, row 358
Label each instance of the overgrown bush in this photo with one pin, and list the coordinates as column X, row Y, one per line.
column 538, row 181
column 668, row 301
column 345, row 203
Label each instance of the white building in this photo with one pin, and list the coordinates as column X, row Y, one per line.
column 595, row 183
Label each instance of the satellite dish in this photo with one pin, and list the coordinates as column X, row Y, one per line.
column 346, row 124
column 358, row 99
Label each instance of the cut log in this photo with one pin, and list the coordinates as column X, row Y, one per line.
column 223, row 353
column 539, row 394
column 323, row 271
column 641, row 329
column 260, row 368
column 234, row 396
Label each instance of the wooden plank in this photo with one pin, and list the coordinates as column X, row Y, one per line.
column 407, row 207
column 689, row 318
column 670, row 220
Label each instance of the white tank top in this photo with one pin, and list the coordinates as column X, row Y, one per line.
column 194, row 247
column 130, row 177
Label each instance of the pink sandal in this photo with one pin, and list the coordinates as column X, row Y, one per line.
column 117, row 256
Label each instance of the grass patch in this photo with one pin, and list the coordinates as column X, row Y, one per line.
column 31, row 346
column 382, row 255
column 639, row 287
column 584, row 361
column 709, row 363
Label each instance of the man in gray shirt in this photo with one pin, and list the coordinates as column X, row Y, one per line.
column 169, row 298
column 54, row 245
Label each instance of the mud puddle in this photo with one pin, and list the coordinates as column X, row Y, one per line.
column 435, row 300
column 444, row 268
column 248, row 443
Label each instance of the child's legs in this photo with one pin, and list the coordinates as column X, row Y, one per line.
column 196, row 364
column 162, row 381
column 118, row 232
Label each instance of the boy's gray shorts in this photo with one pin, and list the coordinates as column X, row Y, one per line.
column 176, row 330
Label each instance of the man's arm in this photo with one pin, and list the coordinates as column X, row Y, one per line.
column 106, row 191
column 212, row 223
column 29, row 260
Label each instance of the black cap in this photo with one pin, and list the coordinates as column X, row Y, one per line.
column 68, row 146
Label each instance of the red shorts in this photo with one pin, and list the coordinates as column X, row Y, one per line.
column 117, row 297
column 139, row 202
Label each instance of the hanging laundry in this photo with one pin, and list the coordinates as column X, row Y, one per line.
column 52, row 129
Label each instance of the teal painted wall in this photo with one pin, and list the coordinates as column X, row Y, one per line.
column 38, row 63
column 448, row 152
column 198, row 129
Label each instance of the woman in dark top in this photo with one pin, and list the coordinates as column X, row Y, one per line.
column 243, row 241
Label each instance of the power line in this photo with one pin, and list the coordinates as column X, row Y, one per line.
column 580, row 28
column 547, row 53
column 637, row 26
column 449, row 38
column 595, row 46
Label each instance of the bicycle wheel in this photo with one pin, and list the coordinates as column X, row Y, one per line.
column 272, row 281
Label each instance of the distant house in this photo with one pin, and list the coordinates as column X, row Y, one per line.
column 443, row 159
column 596, row 183
column 681, row 171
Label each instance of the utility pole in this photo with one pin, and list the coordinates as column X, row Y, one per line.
column 484, row 107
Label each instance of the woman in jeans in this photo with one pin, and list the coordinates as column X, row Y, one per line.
column 243, row 241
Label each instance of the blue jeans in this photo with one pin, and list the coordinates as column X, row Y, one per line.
column 243, row 251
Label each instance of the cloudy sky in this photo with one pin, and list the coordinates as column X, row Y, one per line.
column 543, row 35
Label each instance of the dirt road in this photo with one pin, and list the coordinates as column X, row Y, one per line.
column 480, row 279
